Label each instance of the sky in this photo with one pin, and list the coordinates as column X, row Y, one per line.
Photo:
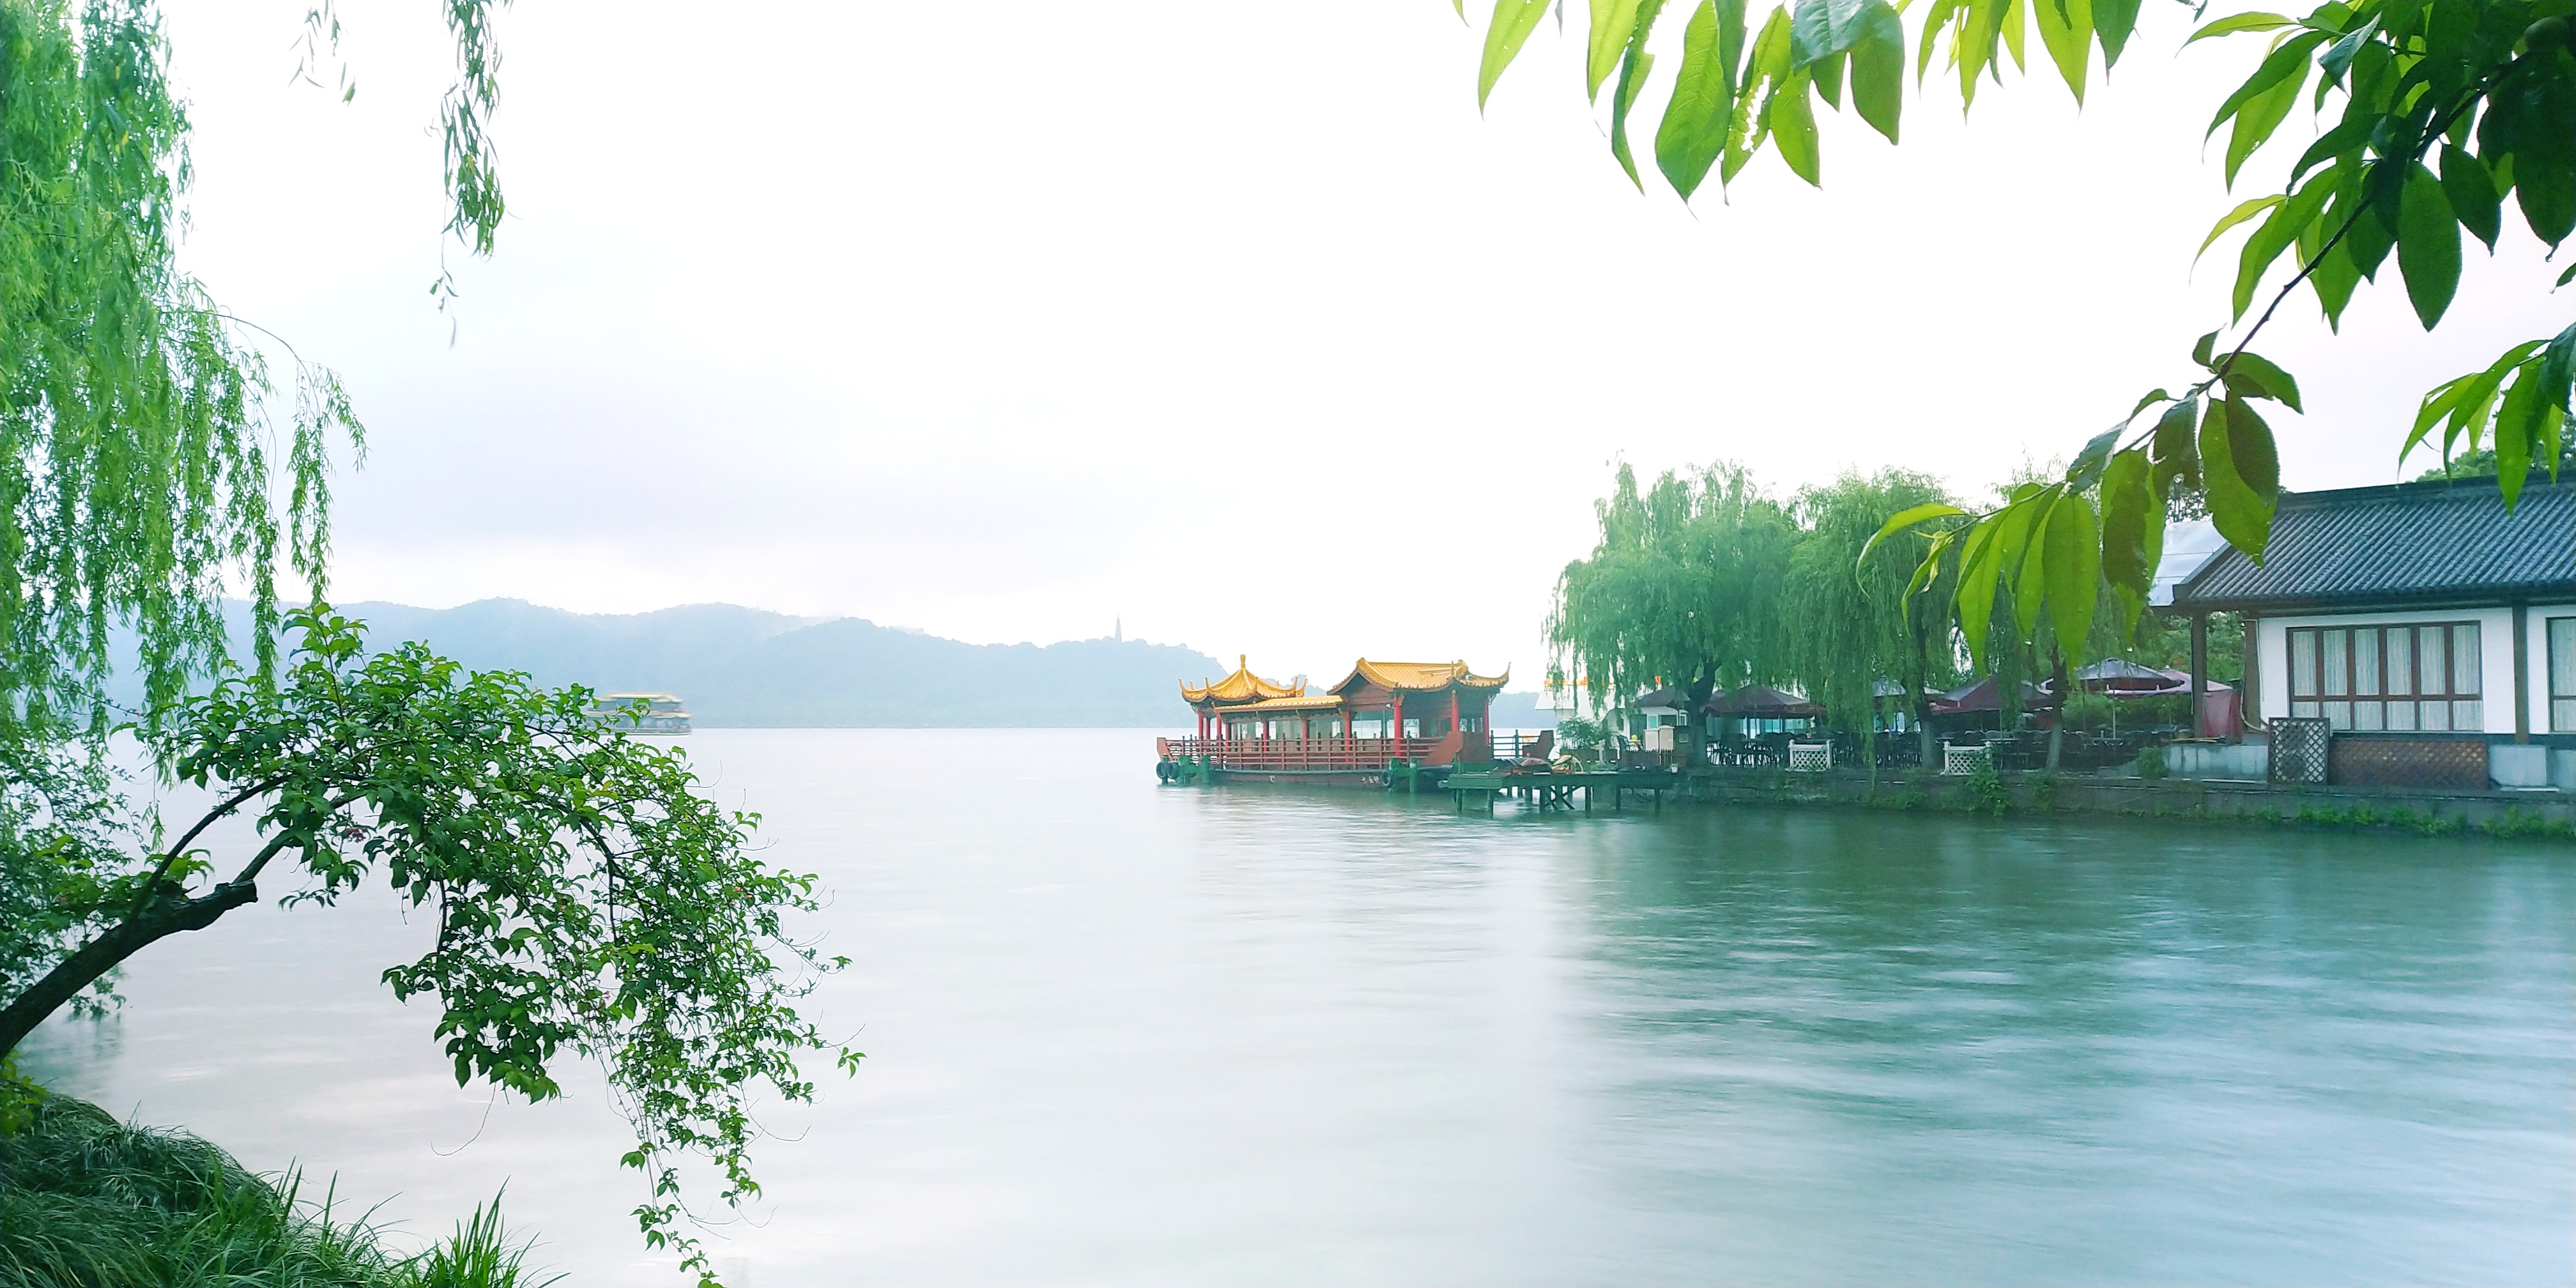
column 1237, row 326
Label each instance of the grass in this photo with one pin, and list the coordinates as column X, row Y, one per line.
column 87, row 1200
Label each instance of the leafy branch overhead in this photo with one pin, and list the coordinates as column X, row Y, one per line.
column 587, row 897
column 2445, row 117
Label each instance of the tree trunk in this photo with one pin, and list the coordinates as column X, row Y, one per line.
column 166, row 916
column 2057, row 734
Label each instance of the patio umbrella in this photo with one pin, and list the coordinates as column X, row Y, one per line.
column 1986, row 695
column 1762, row 702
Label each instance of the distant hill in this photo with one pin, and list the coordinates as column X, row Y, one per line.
column 742, row 667
column 745, row 668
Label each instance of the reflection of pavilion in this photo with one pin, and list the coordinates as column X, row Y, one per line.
column 1429, row 713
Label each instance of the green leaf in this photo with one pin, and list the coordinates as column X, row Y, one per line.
column 2515, row 426
column 2265, row 379
column 2029, row 577
column 1997, row 549
column 2066, row 29
column 2014, row 27
column 1792, row 122
column 1878, row 67
column 1514, row 20
column 1730, row 43
column 2127, row 497
column 2113, row 20
column 1980, row 571
column 1827, row 76
column 2153, row 397
column 2264, row 112
column 1811, row 34
column 1632, row 78
column 2244, row 210
column 2351, row 134
column 1695, row 121
column 1904, row 519
column 2074, row 572
column 2089, row 462
column 2250, row 451
column 1634, row 67
column 2240, row 506
column 2557, row 363
column 1942, row 16
column 1614, row 26
column 2235, row 23
column 2544, row 153
column 2338, row 59
column 2288, row 59
column 2175, row 451
column 2202, row 347
column 2334, row 281
column 2428, row 245
column 2472, row 192
column 2276, row 235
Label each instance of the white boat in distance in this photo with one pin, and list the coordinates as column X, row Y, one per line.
column 648, row 713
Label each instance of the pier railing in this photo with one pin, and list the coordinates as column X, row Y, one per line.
column 1285, row 754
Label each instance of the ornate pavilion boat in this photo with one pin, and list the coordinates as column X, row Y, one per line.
column 1416, row 718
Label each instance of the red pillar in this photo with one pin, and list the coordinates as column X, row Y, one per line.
column 1453, row 709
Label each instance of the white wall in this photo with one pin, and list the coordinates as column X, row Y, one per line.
column 2495, row 642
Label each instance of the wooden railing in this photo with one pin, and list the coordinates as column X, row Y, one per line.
column 1302, row 753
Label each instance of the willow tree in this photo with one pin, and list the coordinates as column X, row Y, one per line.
column 588, row 897
column 1851, row 620
column 2453, row 114
column 1681, row 588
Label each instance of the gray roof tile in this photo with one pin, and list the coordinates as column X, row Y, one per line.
column 2411, row 541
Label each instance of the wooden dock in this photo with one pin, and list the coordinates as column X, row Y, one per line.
column 1551, row 792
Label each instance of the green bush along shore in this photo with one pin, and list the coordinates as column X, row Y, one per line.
column 86, row 1200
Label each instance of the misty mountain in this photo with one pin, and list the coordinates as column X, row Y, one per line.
column 738, row 666
column 743, row 667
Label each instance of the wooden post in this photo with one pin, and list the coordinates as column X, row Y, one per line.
column 2199, row 668
column 2521, row 672
column 2249, row 687
column 1395, row 722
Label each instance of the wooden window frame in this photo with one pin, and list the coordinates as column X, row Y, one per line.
column 2328, row 684
column 2562, row 703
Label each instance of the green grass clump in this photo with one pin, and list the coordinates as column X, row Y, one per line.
column 87, row 1200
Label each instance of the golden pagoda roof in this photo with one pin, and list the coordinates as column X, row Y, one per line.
column 1420, row 676
column 1242, row 686
column 1319, row 702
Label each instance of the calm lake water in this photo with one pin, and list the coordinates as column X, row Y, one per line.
column 1124, row 1034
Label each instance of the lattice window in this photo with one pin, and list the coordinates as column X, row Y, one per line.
column 2422, row 676
column 2299, row 745
column 1961, row 760
column 2562, row 674
column 1811, row 757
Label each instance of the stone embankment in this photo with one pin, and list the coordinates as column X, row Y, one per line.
column 2510, row 813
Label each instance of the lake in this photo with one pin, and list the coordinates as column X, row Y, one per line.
column 1126, row 1034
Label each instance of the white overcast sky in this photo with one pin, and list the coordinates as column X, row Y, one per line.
column 1234, row 321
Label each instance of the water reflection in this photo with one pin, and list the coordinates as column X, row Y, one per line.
column 1122, row 1033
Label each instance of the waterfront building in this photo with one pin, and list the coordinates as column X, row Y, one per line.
column 2432, row 632
column 1425, row 713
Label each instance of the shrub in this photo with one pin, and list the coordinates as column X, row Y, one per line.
column 2151, row 762
column 87, row 1200
column 1986, row 790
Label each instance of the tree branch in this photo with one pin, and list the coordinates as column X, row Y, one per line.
column 143, row 896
